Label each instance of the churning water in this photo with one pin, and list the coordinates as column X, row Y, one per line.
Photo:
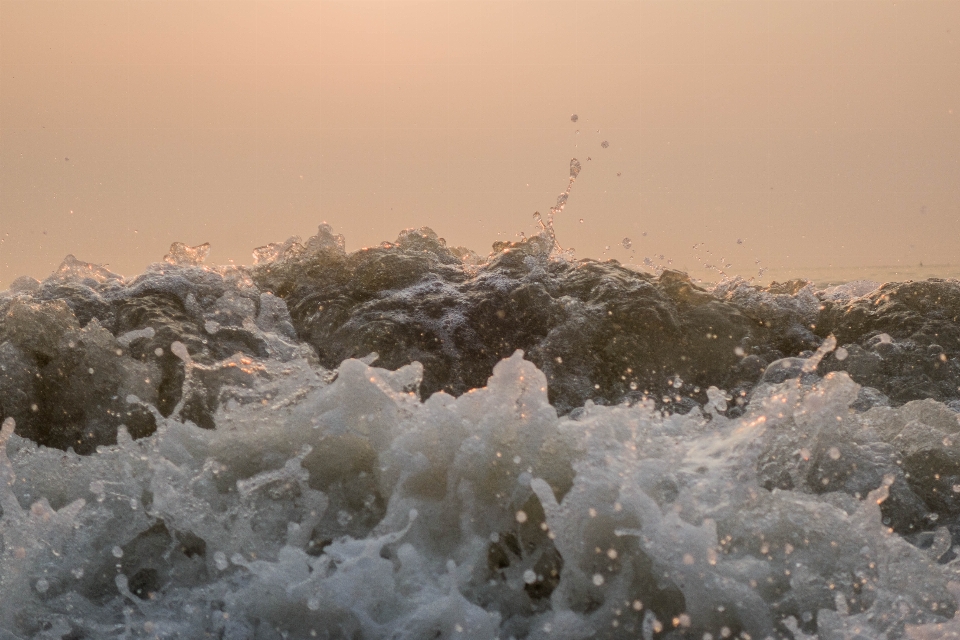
column 414, row 442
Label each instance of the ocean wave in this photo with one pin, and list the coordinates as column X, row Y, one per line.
column 547, row 448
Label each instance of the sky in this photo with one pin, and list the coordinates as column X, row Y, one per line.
column 800, row 136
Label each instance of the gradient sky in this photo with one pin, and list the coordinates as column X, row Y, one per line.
column 818, row 132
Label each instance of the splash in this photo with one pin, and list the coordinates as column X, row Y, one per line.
column 352, row 508
column 547, row 227
column 210, row 451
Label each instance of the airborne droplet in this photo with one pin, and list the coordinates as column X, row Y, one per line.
column 178, row 349
column 627, row 243
column 604, row 144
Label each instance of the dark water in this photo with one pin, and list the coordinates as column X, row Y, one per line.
column 314, row 446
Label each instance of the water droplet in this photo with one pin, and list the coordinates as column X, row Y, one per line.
column 574, row 167
column 604, row 144
column 220, row 559
column 627, row 243
column 597, row 579
column 521, row 516
column 529, row 576
column 581, row 220
column 834, row 453
column 42, row 585
column 179, row 349
column 841, row 353
column 574, row 118
column 117, row 552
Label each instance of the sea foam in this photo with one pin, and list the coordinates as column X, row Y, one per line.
column 352, row 509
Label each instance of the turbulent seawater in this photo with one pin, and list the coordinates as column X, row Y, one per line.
column 413, row 442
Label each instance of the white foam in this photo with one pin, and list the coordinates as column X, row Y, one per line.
column 416, row 506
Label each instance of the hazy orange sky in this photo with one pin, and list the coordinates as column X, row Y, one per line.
column 819, row 132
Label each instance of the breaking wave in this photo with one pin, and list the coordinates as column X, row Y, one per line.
column 413, row 442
